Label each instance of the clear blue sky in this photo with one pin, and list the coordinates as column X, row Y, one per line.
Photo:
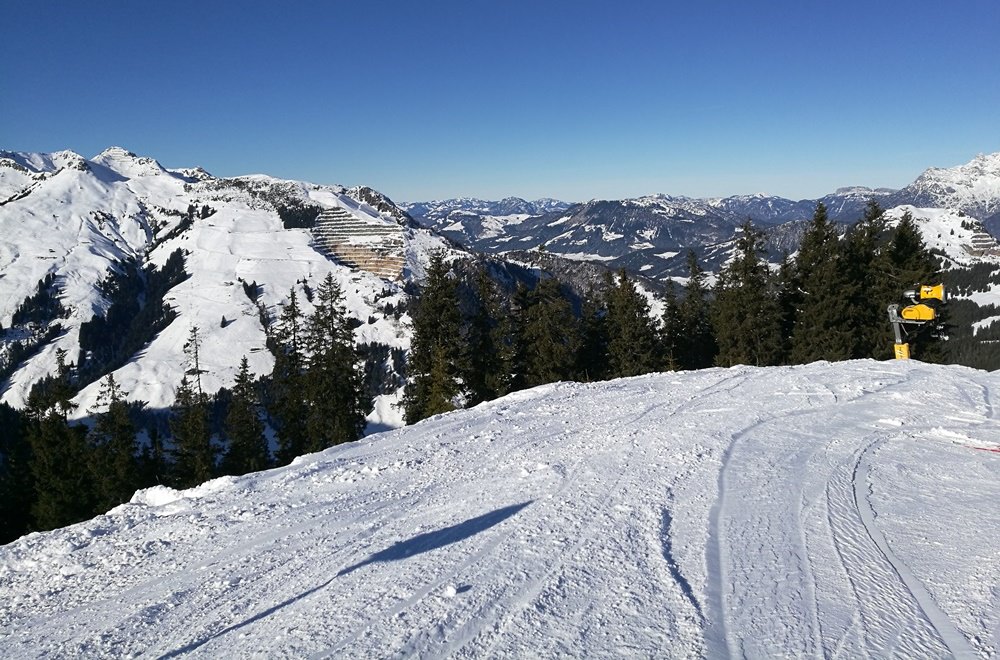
column 574, row 100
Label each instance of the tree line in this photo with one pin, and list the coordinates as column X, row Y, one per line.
column 54, row 473
column 827, row 303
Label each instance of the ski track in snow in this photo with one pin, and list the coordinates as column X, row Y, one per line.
column 728, row 512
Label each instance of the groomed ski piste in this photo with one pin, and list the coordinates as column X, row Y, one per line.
column 828, row 510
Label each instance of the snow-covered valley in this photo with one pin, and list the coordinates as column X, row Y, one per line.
column 835, row 510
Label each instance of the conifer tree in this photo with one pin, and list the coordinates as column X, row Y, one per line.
column 288, row 382
column 16, row 484
column 592, row 360
column 154, row 468
column 823, row 329
column 514, row 344
column 699, row 347
column 113, row 458
column 483, row 360
column 195, row 458
column 632, row 333
column 867, row 269
column 551, row 335
column 671, row 328
column 333, row 383
column 788, row 299
column 64, row 489
column 247, row 451
column 435, row 352
column 747, row 316
column 909, row 260
column 910, row 263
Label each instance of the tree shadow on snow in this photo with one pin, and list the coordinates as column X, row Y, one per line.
column 440, row 538
column 401, row 550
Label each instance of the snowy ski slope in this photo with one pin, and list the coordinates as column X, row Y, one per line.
column 838, row 510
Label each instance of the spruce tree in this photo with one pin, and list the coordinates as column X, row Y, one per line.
column 823, row 327
column 592, row 358
column 698, row 348
column 747, row 317
column 483, row 362
column 154, row 466
column 64, row 489
column 632, row 334
column 671, row 328
column 247, row 451
column 113, row 458
column 551, row 335
column 194, row 457
column 333, row 381
column 16, row 483
column 435, row 353
column 864, row 250
column 288, row 382
column 910, row 263
column 788, row 299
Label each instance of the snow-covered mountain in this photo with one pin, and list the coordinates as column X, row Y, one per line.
column 246, row 242
column 441, row 210
column 651, row 234
column 834, row 510
column 972, row 188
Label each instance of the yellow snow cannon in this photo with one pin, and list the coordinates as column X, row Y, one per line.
column 933, row 292
column 919, row 313
column 906, row 319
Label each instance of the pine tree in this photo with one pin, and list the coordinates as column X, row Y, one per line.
column 632, row 334
column 747, row 317
column 195, row 458
column 435, row 353
column 288, row 382
column 247, row 450
column 698, row 348
column 113, row 457
column 333, row 383
column 823, row 328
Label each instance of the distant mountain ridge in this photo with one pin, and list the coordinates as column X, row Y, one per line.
column 649, row 233
column 69, row 225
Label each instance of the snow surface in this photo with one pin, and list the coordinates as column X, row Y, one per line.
column 842, row 510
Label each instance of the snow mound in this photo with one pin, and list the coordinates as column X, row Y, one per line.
column 818, row 510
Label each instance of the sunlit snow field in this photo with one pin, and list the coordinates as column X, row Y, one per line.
column 837, row 510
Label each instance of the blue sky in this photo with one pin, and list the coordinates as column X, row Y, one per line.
column 574, row 100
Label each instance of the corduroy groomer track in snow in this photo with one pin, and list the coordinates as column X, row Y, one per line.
column 835, row 510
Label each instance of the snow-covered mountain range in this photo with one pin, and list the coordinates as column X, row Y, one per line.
column 70, row 225
column 824, row 510
column 651, row 234
column 246, row 243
